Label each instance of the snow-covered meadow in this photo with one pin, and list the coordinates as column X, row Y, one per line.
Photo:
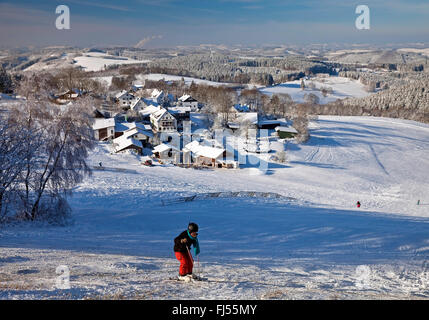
column 311, row 244
column 97, row 61
column 341, row 88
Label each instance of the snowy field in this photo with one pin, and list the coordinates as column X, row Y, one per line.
column 97, row 61
column 169, row 77
column 313, row 245
column 342, row 88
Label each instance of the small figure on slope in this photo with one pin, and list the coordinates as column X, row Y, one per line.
column 358, row 204
column 182, row 244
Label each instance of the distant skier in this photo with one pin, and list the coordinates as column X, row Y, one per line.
column 358, row 204
column 100, row 164
column 182, row 244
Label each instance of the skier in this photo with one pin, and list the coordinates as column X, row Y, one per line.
column 182, row 243
column 358, row 204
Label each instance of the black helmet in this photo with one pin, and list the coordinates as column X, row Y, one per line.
column 192, row 227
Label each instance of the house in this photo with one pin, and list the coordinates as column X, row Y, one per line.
column 285, row 132
column 147, row 111
column 137, row 87
column 208, row 156
column 181, row 114
column 157, row 95
column 136, row 137
column 187, row 101
column 124, row 99
column 104, row 129
column 138, row 104
column 163, row 121
column 67, row 96
column 139, row 133
column 127, row 143
column 136, row 131
column 121, row 127
column 165, row 151
column 238, row 120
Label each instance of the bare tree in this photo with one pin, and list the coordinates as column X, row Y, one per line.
column 12, row 161
column 311, row 98
column 54, row 155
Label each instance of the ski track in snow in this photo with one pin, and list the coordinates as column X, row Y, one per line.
column 120, row 242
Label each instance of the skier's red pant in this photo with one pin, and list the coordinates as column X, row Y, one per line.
column 186, row 263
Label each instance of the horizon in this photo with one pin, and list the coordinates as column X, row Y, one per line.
column 160, row 24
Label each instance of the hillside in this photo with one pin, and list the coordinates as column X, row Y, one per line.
column 409, row 101
column 312, row 244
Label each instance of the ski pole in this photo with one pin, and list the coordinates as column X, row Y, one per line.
column 189, row 252
column 198, row 263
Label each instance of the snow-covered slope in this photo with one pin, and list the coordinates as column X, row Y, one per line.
column 96, row 61
column 169, row 77
column 342, row 88
column 316, row 246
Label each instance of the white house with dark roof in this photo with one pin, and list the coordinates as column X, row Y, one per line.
column 163, row 121
column 187, row 101
column 124, row 98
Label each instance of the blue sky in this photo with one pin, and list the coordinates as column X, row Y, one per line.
column 166, row 23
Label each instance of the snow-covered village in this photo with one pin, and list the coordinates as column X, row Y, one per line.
column 214, row 172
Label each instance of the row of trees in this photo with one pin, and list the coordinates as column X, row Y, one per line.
column 43, row 152
column 6, row 84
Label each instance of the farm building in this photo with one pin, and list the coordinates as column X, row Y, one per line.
column 286, row 132
column 103, row 128
column 208, row 156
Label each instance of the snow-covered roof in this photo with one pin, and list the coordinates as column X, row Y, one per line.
column 286, row 129
column 121, row 94
column 157, row 93
column 100, row 123
column 179, row 109
column 233, row 125
column 148, row 110
column 146, row 127
column 204, row 151
column 137, row 130
column 123, row 126
column 163, row 147
column 138, row 86
column 187, row 97
column 266, row 122
column 158, row 114
column 125, row 142
column 136, row 102
column 251, row 117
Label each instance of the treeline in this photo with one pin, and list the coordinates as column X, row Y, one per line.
column 409, row 101
column 6, row 82
column 224, row 68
